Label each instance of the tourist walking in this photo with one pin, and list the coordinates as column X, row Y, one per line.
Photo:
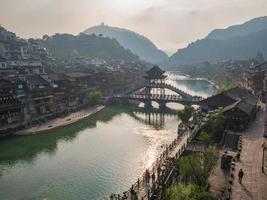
column 238, row 156
column 132, row 192
column 148, row 177
column 153, row 177
column 240, row 175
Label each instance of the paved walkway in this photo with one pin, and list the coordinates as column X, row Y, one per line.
column 254, row 185
column 60, row 122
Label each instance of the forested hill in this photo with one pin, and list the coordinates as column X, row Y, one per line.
column 137, row 43
column 251, row 26
column 89, row 46
column 236, row 42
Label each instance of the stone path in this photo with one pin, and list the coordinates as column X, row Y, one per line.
column 254, row 186
column 60, row 122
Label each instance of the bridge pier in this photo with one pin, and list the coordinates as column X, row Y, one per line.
column 162, row 105
column 148, row 104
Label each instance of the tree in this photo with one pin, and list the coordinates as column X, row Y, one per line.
column 205, row 137
column 224, row 82
column 94, row 97
column 210, row 157
column 259, row 57
column 214, row 124
column 188, row 192
column 196, row 168
column 185, row 114
column 45, row 37
column 192, row 170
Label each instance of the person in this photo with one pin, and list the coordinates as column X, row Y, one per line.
column 132, row 192
column 153, row 177
column 238, row 156
column 240, row 175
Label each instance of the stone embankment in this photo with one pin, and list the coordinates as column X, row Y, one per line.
column 61, row 122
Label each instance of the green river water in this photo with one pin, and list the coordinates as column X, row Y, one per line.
column 101, row 154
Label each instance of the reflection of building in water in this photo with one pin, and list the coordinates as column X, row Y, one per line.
column 152, row 118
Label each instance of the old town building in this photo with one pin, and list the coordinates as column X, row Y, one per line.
column 254, row 79
column 11, row 109
column 239, row 106
column 40, row 97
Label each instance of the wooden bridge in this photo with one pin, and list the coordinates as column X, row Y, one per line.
column 154, row 90
column 162, row 99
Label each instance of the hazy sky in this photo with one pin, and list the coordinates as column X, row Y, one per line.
column 170, row 24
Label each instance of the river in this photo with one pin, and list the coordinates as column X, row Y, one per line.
column 104, row 153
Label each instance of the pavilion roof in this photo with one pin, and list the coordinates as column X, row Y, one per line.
column 155, row 73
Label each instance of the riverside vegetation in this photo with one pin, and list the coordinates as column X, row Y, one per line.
column 195, row 169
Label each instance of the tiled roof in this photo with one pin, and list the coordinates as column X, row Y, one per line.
column 218, row 100
column 76, row 74
column 56, row 77
column 235, row 97
column 241, row 105
column 2, row 59
column 241, row 93
column 155, row 72
column 35, row 79
column 5, row 83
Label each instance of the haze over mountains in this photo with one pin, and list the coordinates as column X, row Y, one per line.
column 137, row 43
column 236, row 42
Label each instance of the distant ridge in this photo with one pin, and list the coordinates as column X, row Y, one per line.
column 133, row 41
column 235, row 42
column 251, row 26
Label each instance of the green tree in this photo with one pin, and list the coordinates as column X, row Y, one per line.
column 224, row 83
column 94, row 97
column 210, row 157
column 259, row 57
column 196, row 168
column 205, row 137
column 187, row 192
column 214, row 124
column 185, row 114
column 192, row 170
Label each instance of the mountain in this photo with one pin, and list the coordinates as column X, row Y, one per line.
column 237, row 42
column 90, row 46
column 137, row 43
column 251, row 26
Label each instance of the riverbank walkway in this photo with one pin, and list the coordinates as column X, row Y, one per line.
column 63, row 121
column 254, row 183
